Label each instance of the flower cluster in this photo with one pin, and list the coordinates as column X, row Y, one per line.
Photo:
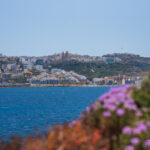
column 139, row 135
column 116, row 112
column 117, row 100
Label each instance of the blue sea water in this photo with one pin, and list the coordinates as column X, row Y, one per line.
column 22, row 110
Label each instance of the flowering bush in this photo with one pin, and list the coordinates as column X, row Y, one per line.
column 116, row 121
column 112, row 112
column 138, row 136
column 116, row 113
column 142, row 94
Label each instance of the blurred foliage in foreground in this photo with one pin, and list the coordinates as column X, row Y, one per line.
column 119, row 120
column 142, row 94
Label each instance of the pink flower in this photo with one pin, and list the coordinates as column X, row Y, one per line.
column 135, row 141
column 88, row 109
column 140, row 127
column 111, row 107
column 136, row 131
column 127, row 130
column 148, row 123
column 147, row 143
column 138, row 113
column 120, row 112
column 106, row 114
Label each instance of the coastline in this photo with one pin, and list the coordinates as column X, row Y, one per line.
column 53, row 85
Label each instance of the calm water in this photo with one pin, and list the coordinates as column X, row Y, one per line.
column 22, row 110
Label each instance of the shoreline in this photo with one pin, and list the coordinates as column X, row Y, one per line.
column 53, row 85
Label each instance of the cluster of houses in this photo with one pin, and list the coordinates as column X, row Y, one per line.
column 117, row 80
column 19, row 69
column 59, row 76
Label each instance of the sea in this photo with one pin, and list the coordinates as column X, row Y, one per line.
column 29, row 110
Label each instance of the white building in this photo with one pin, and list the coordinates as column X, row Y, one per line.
column 99, row 81
column 39, row 67
column 28, row 66
column 45, row 80
column 128, row 81
column 54, row 71
column 71, row 80
column 11, row 66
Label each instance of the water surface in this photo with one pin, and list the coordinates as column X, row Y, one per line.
column 22, row 110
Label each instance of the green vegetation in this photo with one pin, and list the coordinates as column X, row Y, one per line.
column 92, row 70
column 142, row 94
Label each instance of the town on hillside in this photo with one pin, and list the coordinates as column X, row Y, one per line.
column 42, row 71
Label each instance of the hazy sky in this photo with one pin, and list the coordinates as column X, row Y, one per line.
column 94, row 27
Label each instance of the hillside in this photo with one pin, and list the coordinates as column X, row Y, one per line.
column 107, row 65
column 92, row 70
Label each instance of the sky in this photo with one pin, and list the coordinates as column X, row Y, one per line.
column 93, row 27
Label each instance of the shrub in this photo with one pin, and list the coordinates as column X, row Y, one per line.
column 111, row 113
column 137, row 137
column 142, row 94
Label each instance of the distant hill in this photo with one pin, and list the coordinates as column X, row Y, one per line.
column 129, row 64
column 130, row 58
